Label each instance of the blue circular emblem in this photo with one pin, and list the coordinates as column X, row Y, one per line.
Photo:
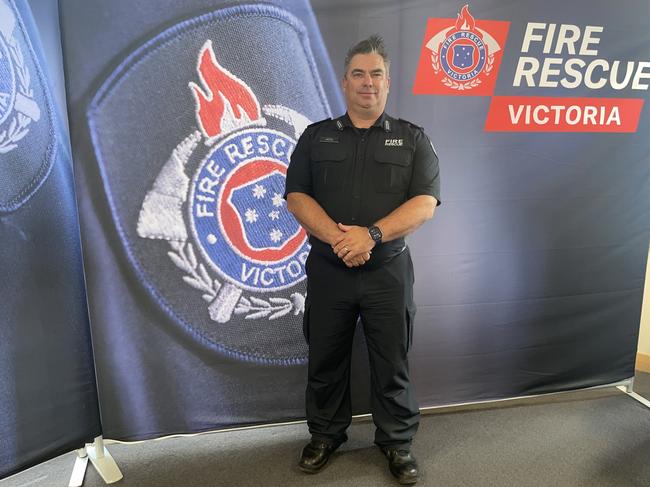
column 462, row 55
column 7, row 81
column 238, row 215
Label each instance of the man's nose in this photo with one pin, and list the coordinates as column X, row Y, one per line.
column 367, row 80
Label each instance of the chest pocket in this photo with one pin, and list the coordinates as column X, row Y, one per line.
column 328, row 166
column 392, row 169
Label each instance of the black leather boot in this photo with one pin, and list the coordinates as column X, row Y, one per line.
column 402, row 464
column 315, row 455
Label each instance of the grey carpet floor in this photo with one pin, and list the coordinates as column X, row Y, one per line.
column 587, row 438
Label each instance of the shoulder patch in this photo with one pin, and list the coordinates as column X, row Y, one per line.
column 204, row 224
column 435, row 152
column 319, row 122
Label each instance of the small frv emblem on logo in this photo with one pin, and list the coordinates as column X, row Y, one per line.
column 394, row 142
column 463, row 53
column 461, row 56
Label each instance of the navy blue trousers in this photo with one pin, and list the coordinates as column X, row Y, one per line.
column 382, row 297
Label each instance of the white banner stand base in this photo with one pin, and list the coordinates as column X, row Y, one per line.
column 628, row 388
column 101, row 459
column 79, row 469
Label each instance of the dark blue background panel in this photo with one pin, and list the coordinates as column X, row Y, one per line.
column 529, row 278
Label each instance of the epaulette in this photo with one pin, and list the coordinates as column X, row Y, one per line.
column 411, row 124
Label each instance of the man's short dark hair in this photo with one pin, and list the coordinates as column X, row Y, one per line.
column 372, row 45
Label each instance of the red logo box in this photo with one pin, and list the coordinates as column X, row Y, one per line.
column 460, row 56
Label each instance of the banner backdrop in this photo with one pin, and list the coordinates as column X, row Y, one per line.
column 48, row 396
column 184, row 114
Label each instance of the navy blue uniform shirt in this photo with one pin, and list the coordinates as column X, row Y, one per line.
column 360, row 176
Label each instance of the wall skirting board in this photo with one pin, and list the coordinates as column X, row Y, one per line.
column 642, row 362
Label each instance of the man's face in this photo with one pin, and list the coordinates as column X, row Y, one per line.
column 365, row 85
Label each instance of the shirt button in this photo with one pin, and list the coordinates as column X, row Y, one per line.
column 354, row 218
column 356, row 196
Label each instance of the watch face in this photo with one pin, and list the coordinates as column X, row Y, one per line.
column 375, row 233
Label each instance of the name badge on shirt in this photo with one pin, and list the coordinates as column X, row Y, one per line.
column 329, row 140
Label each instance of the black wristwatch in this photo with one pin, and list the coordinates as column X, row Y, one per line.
column 375, row 234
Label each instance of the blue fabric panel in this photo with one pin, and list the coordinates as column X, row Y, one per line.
column 48, row 395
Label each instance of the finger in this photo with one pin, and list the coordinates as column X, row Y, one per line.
column 351, row 261
column 341, row 245
column 338, row 240
column 345, row 228
column 349, row 252
column 353, row 254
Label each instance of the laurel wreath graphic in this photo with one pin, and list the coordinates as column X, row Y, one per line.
column 197, row 276
column 455, row 85
column 489, row 65
column 435, row 64
column 274, row 308
column 18, row 126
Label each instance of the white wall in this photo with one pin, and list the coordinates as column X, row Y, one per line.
column 644, row 335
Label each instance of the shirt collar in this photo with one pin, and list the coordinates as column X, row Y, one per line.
column 383, row 121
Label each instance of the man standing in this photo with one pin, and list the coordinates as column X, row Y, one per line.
column 358, row 184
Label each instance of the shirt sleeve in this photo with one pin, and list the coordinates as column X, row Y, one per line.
column 299, row 172
column 425, row 179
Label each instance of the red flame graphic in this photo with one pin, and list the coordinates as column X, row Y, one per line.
column 465, row 20
column 227, row 103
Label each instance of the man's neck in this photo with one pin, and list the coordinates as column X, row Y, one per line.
column 363, row 121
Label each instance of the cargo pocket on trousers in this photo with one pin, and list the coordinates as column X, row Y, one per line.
column 410, row 320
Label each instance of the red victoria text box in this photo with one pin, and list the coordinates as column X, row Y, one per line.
column 545, row 114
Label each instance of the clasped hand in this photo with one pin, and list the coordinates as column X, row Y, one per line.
column 353, row 245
